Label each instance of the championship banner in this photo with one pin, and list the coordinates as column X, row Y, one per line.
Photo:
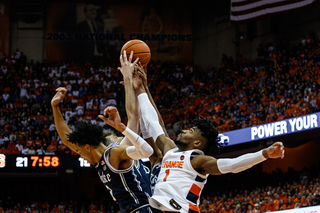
column 82, row 32
column 4, row 32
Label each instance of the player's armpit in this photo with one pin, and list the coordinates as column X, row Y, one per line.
column 205, row 164
column 165, row 144
column 118, row 155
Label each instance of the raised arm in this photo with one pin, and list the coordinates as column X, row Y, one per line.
column 140, row 148
column 131, row 101
column 209, row 165
column 151, row 120
column 61, row 126
column 143, row 75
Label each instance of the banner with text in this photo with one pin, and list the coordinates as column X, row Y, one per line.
column 269, row 130
column 97, row 31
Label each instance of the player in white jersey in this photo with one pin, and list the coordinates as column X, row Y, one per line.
column 184, row 169
column 185, row 183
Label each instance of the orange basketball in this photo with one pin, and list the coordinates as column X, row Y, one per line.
column 140, row 49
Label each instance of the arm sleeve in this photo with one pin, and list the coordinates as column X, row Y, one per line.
column 144, row 132
column 141, row 148
column 241, row 163
column 149, row 117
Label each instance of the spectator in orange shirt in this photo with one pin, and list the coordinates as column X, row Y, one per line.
column 228, row 209
column 45, row 130
column 282, row 205
column 269, row 118
column 270, row 206
column 218, row 206
column 53, row 145
column 29, row 141
column 304, row 201
column 210, row 204
column 250, row 209
column 11, row 145
column 38, row 142
column 290, row 204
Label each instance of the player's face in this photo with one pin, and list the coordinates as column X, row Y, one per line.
column 84, row 152
column 189, row 137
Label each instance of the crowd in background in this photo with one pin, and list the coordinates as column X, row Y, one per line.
column 246, row 192
column 284, row 191
column 282, row 82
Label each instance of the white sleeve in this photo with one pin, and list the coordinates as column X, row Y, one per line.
column 144, row 131
column 241, row 163
column 149, row 117
column 141, row 148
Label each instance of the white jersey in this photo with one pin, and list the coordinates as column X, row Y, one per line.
column 179, row 185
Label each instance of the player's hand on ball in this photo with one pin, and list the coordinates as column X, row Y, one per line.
column 142, row 74
column 127, row 66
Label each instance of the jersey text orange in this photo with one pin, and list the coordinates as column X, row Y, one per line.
column 173, row 164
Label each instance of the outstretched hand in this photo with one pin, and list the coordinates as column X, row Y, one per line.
column 142, row 72
column 127, row 66
column 111, row 117
column 276, row 150
column 140, row 76
column 59, row 96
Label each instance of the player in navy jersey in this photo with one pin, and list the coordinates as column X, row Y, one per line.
column 139, row 164
column 114, row 162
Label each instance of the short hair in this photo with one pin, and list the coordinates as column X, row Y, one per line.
column 208, row 130
column 87, row 133
column 106, row 135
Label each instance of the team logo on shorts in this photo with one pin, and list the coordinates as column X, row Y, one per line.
column 181, row 157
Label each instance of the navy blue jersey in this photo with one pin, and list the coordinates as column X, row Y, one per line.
column 154, row 176
column 144, row 171
column 127, row 187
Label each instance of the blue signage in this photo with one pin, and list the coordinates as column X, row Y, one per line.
column 269, row 130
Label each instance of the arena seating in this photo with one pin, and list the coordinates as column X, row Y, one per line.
column 282, row 82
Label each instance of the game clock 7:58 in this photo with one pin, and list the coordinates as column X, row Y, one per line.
column 43, row 161
column 38, row 161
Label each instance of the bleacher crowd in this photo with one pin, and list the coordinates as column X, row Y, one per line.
column 282, row 82
column 268, row 192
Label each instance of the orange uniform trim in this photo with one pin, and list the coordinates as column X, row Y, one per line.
column 195, row 189
column 194, row 207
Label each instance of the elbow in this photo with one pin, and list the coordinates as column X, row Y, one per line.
column 147, row 153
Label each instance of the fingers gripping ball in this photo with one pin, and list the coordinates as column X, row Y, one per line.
column 140, row 49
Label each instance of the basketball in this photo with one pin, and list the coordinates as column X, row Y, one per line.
column 140, row 49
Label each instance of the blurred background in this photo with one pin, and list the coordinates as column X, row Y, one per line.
column 252, row 67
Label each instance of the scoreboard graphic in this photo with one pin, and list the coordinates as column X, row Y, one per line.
column 42, row 161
